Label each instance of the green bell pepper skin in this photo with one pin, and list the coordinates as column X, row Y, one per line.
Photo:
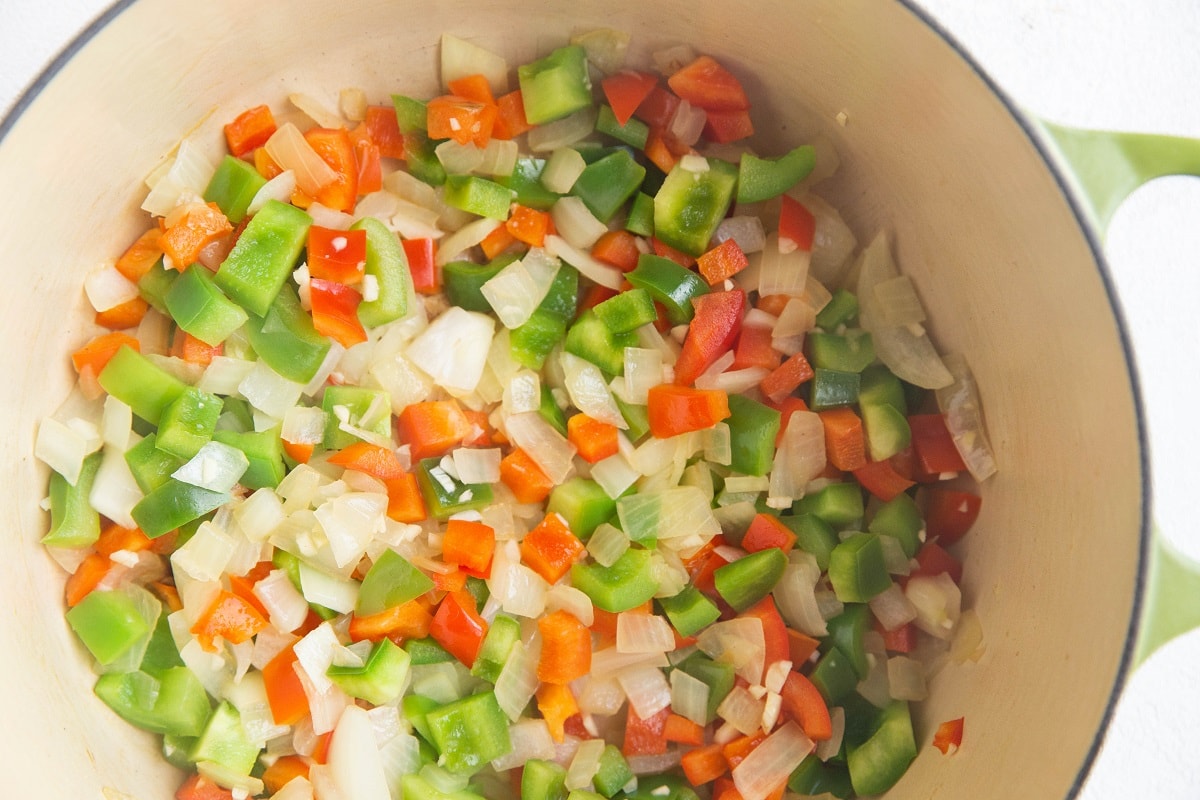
column 391, row 581
column 224, row 741
column 73, row 521
column 613, row 772
column 173, row 504
column 662, row 787
column 388, row 264
column 415, row 707
column 502, row 634
column 422, row 160
column 744, row 582
column 154, row 285
column 846, row 632
column 606, row 185
column 763, row 178
column 555, row 86
column 426, row 651
column 813, row 535
column 834, row 676
column 526, row 183
column 380, row 680
column 286, row 340
column 233, row 186
column 543, row 780
column 815, row 777
column 264, row 256
column 690, row 611
column 109, row 624
column 478, row 196
column 842, row 309
column 411, row 114
column 590, row 339
column 188, row 423
column 417, row 787
column 718, row 676
column 463, row 280
column 626, row 584
column 627, row 311
column 445, row 495
column 901, row 519
column 633, row 133
column 857, row 570
column 583, row 504
column 533, row 340
column 852, row 351
column 641, row 215
column 357, row 400
column 637, row 417
column 690, row 205
column 161, row 653
column 670, row 284
column 877, row 764
column 174, row 703
column 753, row 427
column 140, row 384
column 840, row 505
column 831, row 388
column 548, row 410
column 884, row 407
column 201, row 309
column 469, row 733
column 264, row 451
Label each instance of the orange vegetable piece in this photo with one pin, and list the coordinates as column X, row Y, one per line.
column 115, row 537
column 566, row 648
column 735, row 751
column 618, row 248
column 458, row 627
column 722, row 262
column 284, row 771
column 141, row 255
column 86, row 578
column 285, row 693
column 787, row 377
column 683, row 731
column 804, row 703
column 666, row 251
column 551, row 548
column 845, row 443
column 673, row 410
column 470, row 545
column 335, row 311
column 199, row 226
column 949, row 736
column 801, row 646
column 510, row 116
column 797, row 225
column 452, row 580
column 249, row 130
column 432, row 427
column 626, row 90
column 522, row 475
column 93, row 356
column 595, row 440
column 409, row 620
column 297, row 451
column 265, row 165
column 229, row 617
column 384, row 130
column 881, row 479
column 724, row 127
column 458, row 118
column 197, row 788
column 766, row 531
column 704, row 764
column 373, row 459
column 658, row 152
column 472, row 87
column 497, row 242
column 557, row 704
column 123, row 316
column 192, row 350
column 168, row 594
column 645, row 736
column 405, row 503
column 528, row 225
column 336, row 149
column 366, row 156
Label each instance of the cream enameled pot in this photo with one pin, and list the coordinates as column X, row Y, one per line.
column 983, row 217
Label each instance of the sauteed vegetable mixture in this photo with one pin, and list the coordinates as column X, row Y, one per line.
column 538, row 439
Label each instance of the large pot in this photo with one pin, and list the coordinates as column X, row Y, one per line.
column 1001, row 248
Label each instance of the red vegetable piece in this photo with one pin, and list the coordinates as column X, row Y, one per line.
column 949, row 736
column 711, row 334
column 337, row 255
column 933, row 445
column 797, row 226
column 335, row 312
column 626, row 90
column 932, row 560
column 766, row 531
column 384, row 130
column 658, row 108
column 676, row 409
column 645, row 737
column 458, row 627
column 881, row 479
column 421, row 265
column 724, row 127
column 949, row 513
column 336, row 149
column 706, row 84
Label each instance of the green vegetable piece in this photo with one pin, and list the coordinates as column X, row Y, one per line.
column 426, row 651
column 418, row 787
column 813, row 535
column 604, row 186
column 233, row 186
column 555, row 86
column 477, row 195
column 633, row 133
column 878, row 386
column 641, row 215
column 852, row 351
column 670, row 284
column 410, row 114
column 662, row 787
column 857, row 570
column 380, row 679
column 583, row 504
column 526, row 182
column 543, row 780
column 901, row 519
column 188, row 423
column 357, row 401
column 842, row 309
column 264, row 256
column 445, row 495
column 884, row 408
column 838, row 504
column 161, row 652
column 590, row 339
column 421, row 159
column 832, row 388
column 816, row 777
column 549, row 411
column 264, row 451
column 286, row 340
column 109, row 624
column 140, row 384
column 690, row 205
column 532, row 341
column 462, row 281
column 628, row 583
column 502, row 634
column 236, row 415
column 753, row 427
column 846, row 632
column 627, row 311
column 224, row 741
column 877, row 764
column 744, row 582
column 636, row 416
column 387, row 262
column 834, row 676
column 391, row 581
column 154, row 285
column 73, row 521
column 201, row 309
column 763, row 178
column 469, row 733
column 478, row 589
column 173, row 504
column 174, row 703
column 563, row 298
column 718, row 676
column 290, row 564
column 584, row 794
column 690, row 611
column 613, row 772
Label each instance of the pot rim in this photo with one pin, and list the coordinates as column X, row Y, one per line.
column 1058, row 171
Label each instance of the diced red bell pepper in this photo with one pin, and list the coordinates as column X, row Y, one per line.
column 949, row 513
column 933, row 445
column 948, row 737
column 933, row 560
column 626, row 90
column 722, row 262
column 803, row 702
column 724, row 127
column 797, row 226
column 766, row 531
column 706, row 84
column 336, row 149
column 881, row 479
column 335, row 312
column 674, row 409
column 385, row 131
column 458, row 627
column 754, row 349
column 775, row 635
column 421, row 265
column 465, row 121
column 711, row 333
column 337, row 255
column 658, row 108
column 645, row 737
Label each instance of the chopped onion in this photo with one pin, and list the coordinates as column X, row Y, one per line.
column 799, row 459
column 518, row 680
column 461, row 59
column 114, row 491
column 354, row 761
column 830, row 747
column 314, row 654
column 224, row 375
column 517, row 289
column 960, row 402
column 459, row 159
column 605, row 48
column 520, row 590
column 650, row 764
column 894, row 559
column 350, row 521
column 324, row 589
column 268, row 391
column 746, row 483
column 454, row 349
column 833, row 241
column 227, row 778
column 747, row 231
column 892, row 608
column 401, row 756
column 771, row 763
column 563, row 132
column 316, row 110
column 938, row 602
column 585, row 764
column 898, row 302
column 413, row 221
column 303, row 425
column 795, row 594
column 797, row 317
column 205, row 555
column 464, row 239
column 188, row 172
column 288, row 148
column 607, row 544
column 739, row 642
column 601, row 696
column 643, row 371
column 906, row 679
column 64, row 446
column 967, row 644
column 562, row 169
column 742, row 710
column 736, row 381
column 298, row 788
column 589, row 390
column 689, row 697
column 687, row 123
column 568, row 598
column 530, row 738
column 286, row 607
column 548, row 448
column 607, row 662
column 107, row 288
column 673, row 513
column 643, row 633
column 403, row 185
column 477, row 465
column 781, row 273
column 646, row 688
column 499, row 158
column 154, row 332
column 216, row 467
column 615, row 475
column 280, row 188
column 575, row 223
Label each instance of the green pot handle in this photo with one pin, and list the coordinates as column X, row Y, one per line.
column 1107, row 167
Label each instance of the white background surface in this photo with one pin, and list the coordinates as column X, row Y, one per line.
column 1119, row 64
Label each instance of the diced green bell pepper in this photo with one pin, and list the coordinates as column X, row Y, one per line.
column 613, row 772
column 627, row 311
column 391, row 581
column 641, row 215
column 445, row 495
column 877, row 764
column 842, row 309
column 543, row 780
column 426, row 651
column 264, row 256
column 469, row 733
column 141, row 384
column 633, row 133
column 590, row 339
column 857, row 570
column 502, row 634
column 583, row 504
column 690, row 611
column 224, row 741
column 173, row 504
column 664, row 786
column 188, row 423
column 388, row 264
column 380, row 680
column 477, row 195
column 109, row 624
column 526, row 182
column 201, row 309
column 626, row 584
column 154, row 285
column 901, row 519
column 463, row 280
column 548, row 410
column 264, row 451
column 418, row 787
column 744, row 582
column 831, row 388
column 670, row 284
column 604, row 186
column 852, row 351
column 763, row 178
column 838, row 504
column 286, row 340
column 753, row 427
column 834, row 676
column 815, row 777
column 420, row 157
column 233, row 186
column 636, row 416
column 161, row 653
column 533, row 340
column 884, row 407
column 357, row 400
column 813, row 535
column 846, row 632
column 411, row 114
column 555, row 86
column 690, row 205
column 173, row 703
column 73, row 521
column 718, row 676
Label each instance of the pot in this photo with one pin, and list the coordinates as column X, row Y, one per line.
column 1002, row 244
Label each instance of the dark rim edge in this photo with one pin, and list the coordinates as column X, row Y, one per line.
column 1092, row 236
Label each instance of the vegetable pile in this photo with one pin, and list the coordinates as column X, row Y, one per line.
column 540, row 441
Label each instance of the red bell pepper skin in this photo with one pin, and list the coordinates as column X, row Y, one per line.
column 335, row 312
column 421, row 265
column 337, row 255
column 712, row 332
column 336, row 149
column 458, row 627
column 626, row 90
column 673, row 410
column 933, row 445
column 949, row 513
column 706, row 84
column 775, row 635
column 797, row 226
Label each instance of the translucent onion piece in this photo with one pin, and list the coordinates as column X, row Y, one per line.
column 894, row 559
column 217, row 467
column 967, row 644
column 588, row 267
column 518, row 680
column 646, row 688
column 224, row 374
column 517, row 289
column 643, row 633
column 350, row 522
column 314, row 654
column 892, row 608
column 64, row 446
column 654, row 764
column 568, row 598
column 797, row 317
column 833, row 241
column 548, row 448
column 454, row 349
column 938, row 602
column 106, row 288
column 530, row 738
column 906, row 679
column 600, row 696
column 523, row 392
column 401, row 756
column 781, row 273
column 688, row 123
column 280, row 188
column 297, row 788
column 231, row 779
column 830, row 747
column 795, row 594
column 499, row 158
column 188, row 172
column 674, row 513
column 585, row 764
column 464, row 239
column 898, row 302
column 799, row 458
column 563, row 132
column 609, row 662
column 747, row 231
column 605, row 48
column 288, row 148
column 689, row 697
column 114, row 490
column 413, row 221
column 268, row 391
column 354, row 760
column 964, row 418
column 615, row 475
column 403, row 185
column 477, row 465
column 316, row 110
column 286, row 606
column 771, row 763
column 739, row 642
column 325, row 589
column 643, row 371
column 589, row 390
column 737, row 381
column 718, row 448
column 459, row 159
column 575, row 222
column 742, row 710
column 875, row 687
column 460, row 59
column 303, row 425
column 562, row 169
column 607, row 544
column 205, row 555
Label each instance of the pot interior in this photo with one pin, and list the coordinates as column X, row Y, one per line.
column 927, row 151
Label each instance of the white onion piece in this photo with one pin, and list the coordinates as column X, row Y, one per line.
column 216, row 467
column 477, row 465
column 737, row 381
column 607, row 544
column 354, row 760
column 403, row 185
column 563, row 132
column 286, row 607
column 350, row 522
column 316, row 110
column 643, row 371
column 517, row 682
column 605, row 48
column 106, row 288
column 460, row 59
column 548, row 448
column 562, row 169
column 459, row 159
column 894, row 559
column 638, row 632
column 303, row 425
column 599, row 696
column 297, row 788
column 615, row 475
column 742, row 710
column 288, row 148
column 830, row 747
column 64, row 446
column 689, row 697
column 299, row 487
column 964, row 418
column 906, row 679
column 833, row 241
column 325, row 589
column 280, row 188
column 670, row 60
column 224, row 374
column 523, row 392
column 520, row 591
column 798, row 317
column 781, row 273
column 226, row 778
column 575, row 223
column 608, row 662
column 875, row 687
column 795, row 594
column 898, row 302
column 205, row 555
column 739, row 642
column 747, row 231
column 799, row 459
column 530, row 738
column 654, row 764
column 585, row 764
column 187, row 173
column 647, row 690
column 682, row 511
column 114, row 491
column 517, row 289
column 453, row 349
column 967, row 644
column 687, row 123
column 892, row 608
column 589, row 390
column 463, row 239
column 938, row 602
column 590, row 268
column 314, row 654
column 401, row 756
column 771, row 763
column 568, row 598
column 268, row 391
column 414, row 221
